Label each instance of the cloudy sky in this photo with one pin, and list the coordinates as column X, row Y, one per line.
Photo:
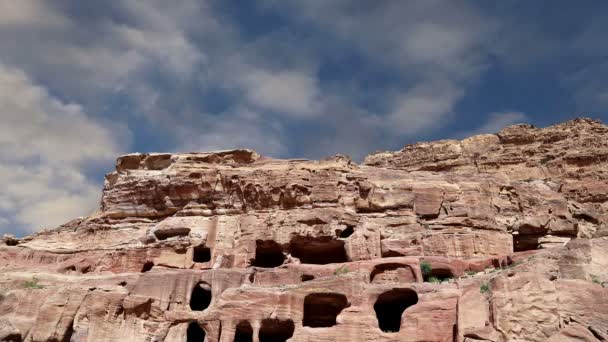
column 84, row 81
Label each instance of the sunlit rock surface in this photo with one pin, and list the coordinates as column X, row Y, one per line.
column 498, row 237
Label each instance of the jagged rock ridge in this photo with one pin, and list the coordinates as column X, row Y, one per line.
column 498, row 237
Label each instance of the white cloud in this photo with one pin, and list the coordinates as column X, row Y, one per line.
column 237, row 128
column 424, row 107
column 291, row 93
column 45, row 144
column 494, row 123
column 27, row 12
column 499, row 120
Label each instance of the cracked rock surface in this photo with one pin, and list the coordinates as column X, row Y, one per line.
column 498, row 237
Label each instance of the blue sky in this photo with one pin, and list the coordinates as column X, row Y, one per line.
column 84, row 81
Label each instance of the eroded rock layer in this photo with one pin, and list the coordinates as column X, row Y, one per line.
column 499, row 237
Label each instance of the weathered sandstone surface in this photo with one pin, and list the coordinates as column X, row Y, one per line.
column 498, row 237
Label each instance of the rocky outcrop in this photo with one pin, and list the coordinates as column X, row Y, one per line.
column 494, row 238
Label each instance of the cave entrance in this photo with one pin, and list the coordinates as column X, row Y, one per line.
column 390, row 306
column 164, row 234
column 201, row 297
column 244, row 332
column 439, row 274
column 321, row 309
column 147, row 266
column 347, row 232
column 318, row 250
column 201, row 254
column 525, row 242
column 275, row 330
column 268, row 254
column 195, row 333
column 392, row 273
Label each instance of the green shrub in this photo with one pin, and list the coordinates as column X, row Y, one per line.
column 471, row 273
column 341, row 270
column 426, row 268
column 485, row 287
column 595, row 279
column 434, row 280
column 32, row 284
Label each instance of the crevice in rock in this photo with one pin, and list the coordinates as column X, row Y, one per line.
column 164, row 234
column 147, row 266
column 268, row 254
column 195, row 333
column 321, row 309
column 390, row 306
column 201, row 254
column 275, row 330
column 67, row 336
column 318, row 250
column 243, row 332
column 201, row 297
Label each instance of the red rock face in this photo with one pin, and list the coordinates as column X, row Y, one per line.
column 499, row 237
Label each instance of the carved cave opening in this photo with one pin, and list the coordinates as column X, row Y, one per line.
column 268, row 254
column 275, row 330
column 12, row 337
column 390, row 306
column 243, row 332
column 195, row 333
column 164, row 234
column 201, row 254
column 392, row 272
column 201, row 297
column 526, row 242
column 439, row 273
column 147, row 266
column 318, row 250
column 347, row 232
column 307, row 277
column 321, row 309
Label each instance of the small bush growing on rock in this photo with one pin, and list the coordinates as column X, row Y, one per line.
column 595, row 279
column 426, row 268
column 434, row 280
column 471, row 273
column 341, row 270
column 485, row 287
column 32, row 284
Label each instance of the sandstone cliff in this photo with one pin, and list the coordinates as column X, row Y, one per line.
column 498, row 237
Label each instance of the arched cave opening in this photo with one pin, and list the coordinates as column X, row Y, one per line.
column 524, row 242
column 147, row 266
column 268, row 254
column 321, row 309
column 348, row 231
column 439, row 274
column 12, row 337
column 307, row 277
column 318, row 250
column 201, row 254
column 392, row 272
column 390, row 306
column 275, row 330
column 201, row 297
column 243, row 332
column 164, row 234
column 195, row 333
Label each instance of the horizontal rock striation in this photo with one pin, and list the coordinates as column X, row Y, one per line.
column 498, row 237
